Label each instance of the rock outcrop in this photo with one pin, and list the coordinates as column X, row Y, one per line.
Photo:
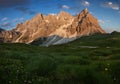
column 56, row 29
column 85, row 24
column 8, row 36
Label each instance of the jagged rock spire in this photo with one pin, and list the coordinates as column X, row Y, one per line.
column 85, row 10
column 39, row 16
column 63, row 25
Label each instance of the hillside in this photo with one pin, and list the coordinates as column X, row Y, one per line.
column 91, row 59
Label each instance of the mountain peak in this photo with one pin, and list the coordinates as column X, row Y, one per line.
column 85, row 11
column 62, row 25
column 63, row 13
column 87, row 24
column 39, row 16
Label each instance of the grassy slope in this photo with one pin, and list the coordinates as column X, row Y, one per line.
column 70, row 63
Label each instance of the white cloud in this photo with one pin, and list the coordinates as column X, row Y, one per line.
column 111, row 5
column 6, row 24
column 15, row 20
column 108, row 21
column 65, row 7
column 86, row 3
column 4, row 19
column 22, row 19
column 18, row 19
column 101, row 21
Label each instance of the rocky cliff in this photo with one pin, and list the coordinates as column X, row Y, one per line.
column 54, row 29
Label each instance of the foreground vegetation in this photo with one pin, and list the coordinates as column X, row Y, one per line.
column 89, row 60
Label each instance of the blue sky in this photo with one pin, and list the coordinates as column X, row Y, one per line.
column 13, row 12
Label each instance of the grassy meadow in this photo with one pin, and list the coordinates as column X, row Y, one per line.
column 89, row 60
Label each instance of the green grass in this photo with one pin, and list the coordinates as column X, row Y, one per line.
column 63, row 64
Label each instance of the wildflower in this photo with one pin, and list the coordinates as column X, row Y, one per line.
column 114, row 79
column 108, row 64
column 17, row 70
column 10, row 81
column 25, row 81
column 29, row 81
column 106, row 69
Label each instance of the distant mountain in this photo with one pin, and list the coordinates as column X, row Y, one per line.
column 115, row 33
column 9, row 36
column 54, row 29
column 1, row 30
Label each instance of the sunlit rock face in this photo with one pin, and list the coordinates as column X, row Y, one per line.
column 85, row 24
column 56, row 29
column 9, row 36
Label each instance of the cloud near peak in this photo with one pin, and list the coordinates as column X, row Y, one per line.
column 111, row 5
column 65, row 7
column 101, row 21
column 4, row 19
column 86, row 3
column 5, row 24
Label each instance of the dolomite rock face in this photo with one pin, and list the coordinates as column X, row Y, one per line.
column 8, row 36
column 85, row 24
column 43, row 26
column 56, row 29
